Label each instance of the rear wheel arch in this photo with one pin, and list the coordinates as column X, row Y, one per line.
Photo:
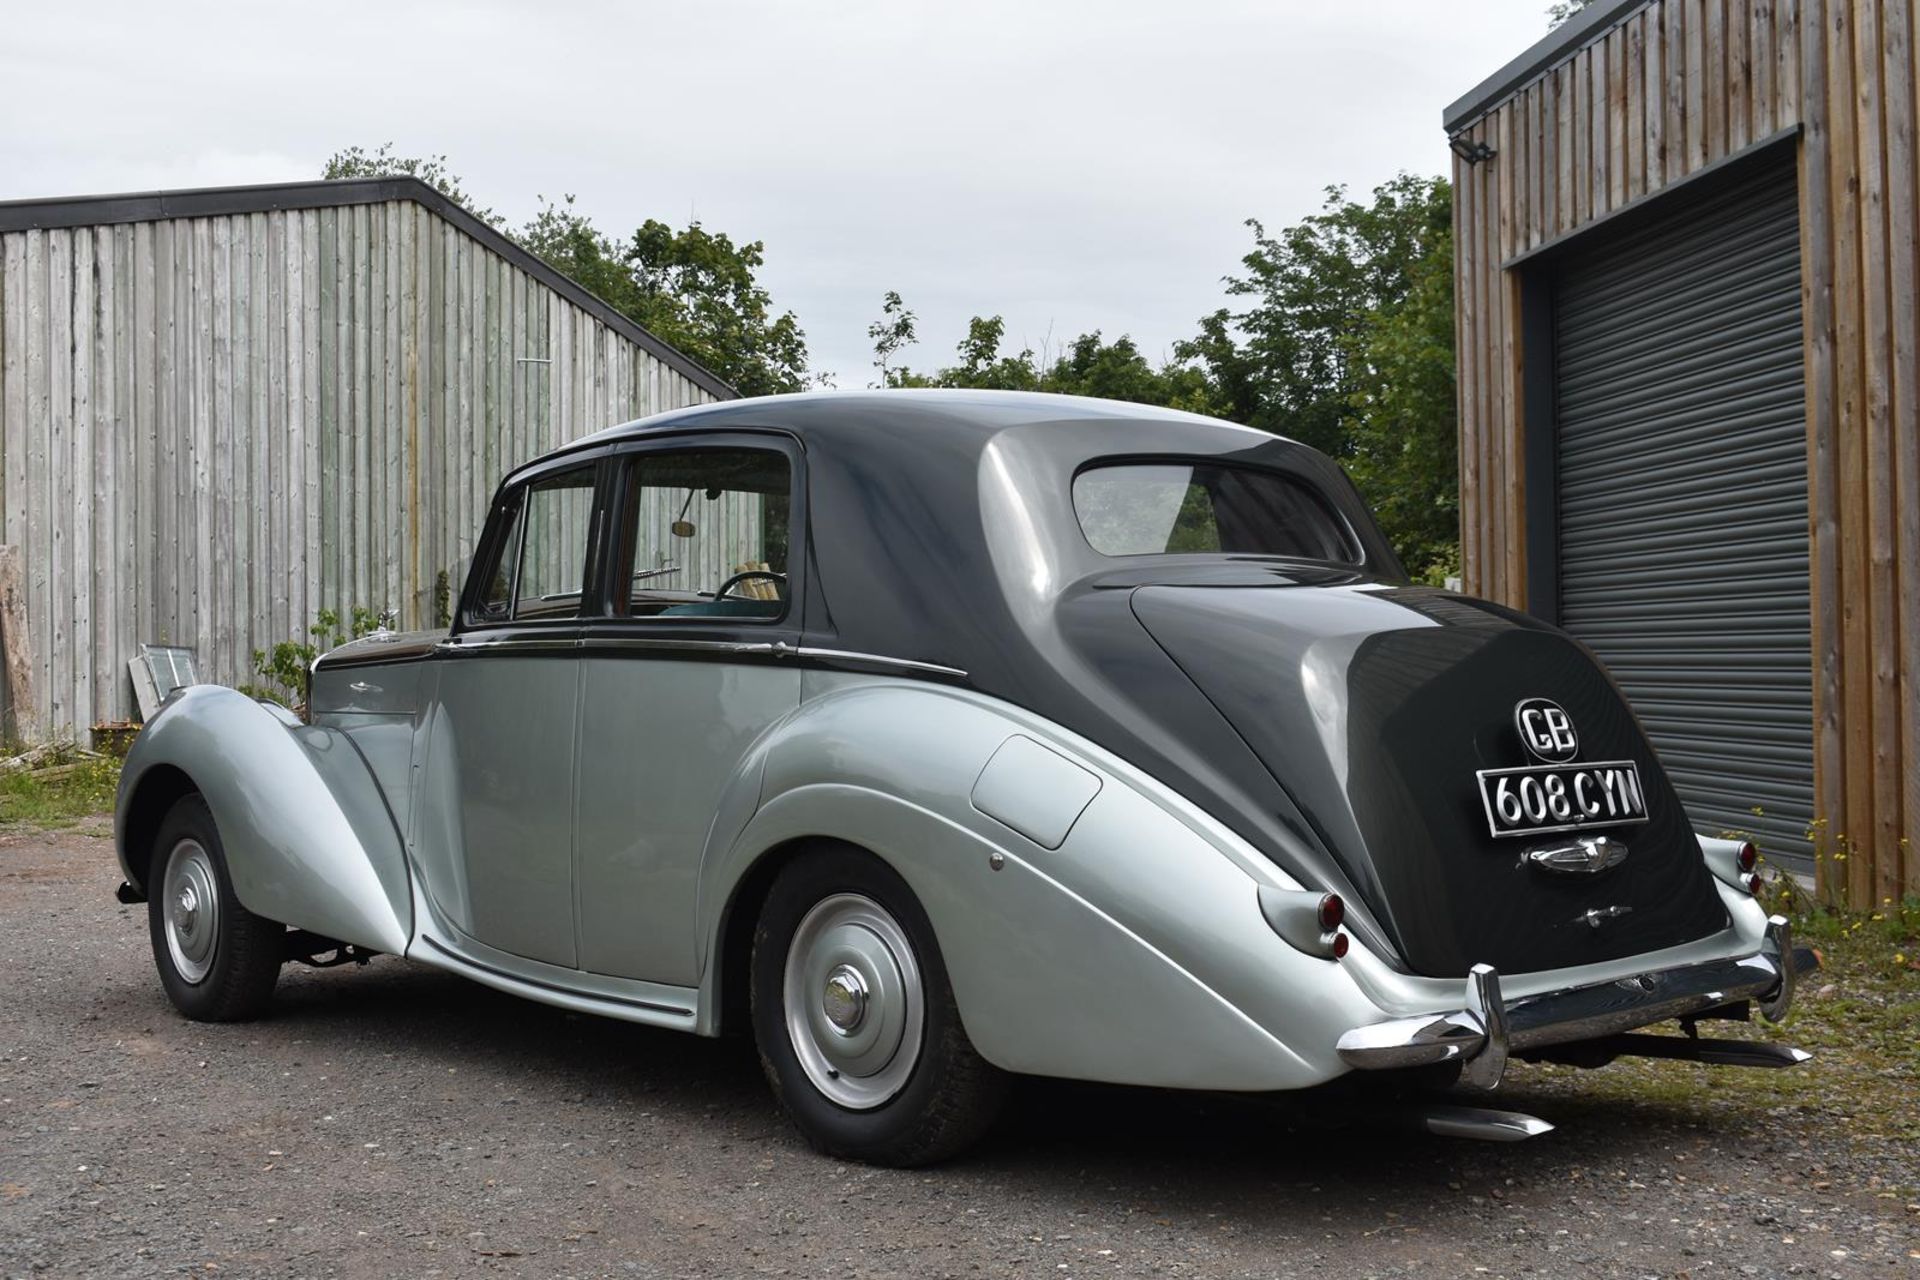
column 733, row 953
column 147, row 806
column 733, row 957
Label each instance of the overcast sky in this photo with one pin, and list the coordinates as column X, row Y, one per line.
column 1071, row 166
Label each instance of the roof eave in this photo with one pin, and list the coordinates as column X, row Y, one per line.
column 1556, row 46
column 211, row 202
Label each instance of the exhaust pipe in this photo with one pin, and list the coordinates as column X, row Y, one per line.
column 1482, row 1123
column 1721, row 1053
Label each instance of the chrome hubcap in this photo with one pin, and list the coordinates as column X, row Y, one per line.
column 192, row 914
column 845, row 1001
column 854, row 1003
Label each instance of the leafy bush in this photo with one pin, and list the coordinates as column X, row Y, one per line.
column 282, row 670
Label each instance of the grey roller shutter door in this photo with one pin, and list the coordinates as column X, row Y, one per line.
column 1681, row 453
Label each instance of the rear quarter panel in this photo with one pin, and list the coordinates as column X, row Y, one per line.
column 1134, row 952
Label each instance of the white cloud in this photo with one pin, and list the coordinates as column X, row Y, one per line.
column 1071, row 165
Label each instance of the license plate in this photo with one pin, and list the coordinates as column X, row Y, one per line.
column 1561, row 797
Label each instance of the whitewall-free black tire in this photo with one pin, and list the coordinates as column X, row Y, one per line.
column 217, row 960
column 857, row 1026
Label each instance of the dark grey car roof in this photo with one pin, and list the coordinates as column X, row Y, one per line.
column 849, row 415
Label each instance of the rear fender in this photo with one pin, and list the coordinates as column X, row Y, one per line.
column 1125, row 944
column 308, row 836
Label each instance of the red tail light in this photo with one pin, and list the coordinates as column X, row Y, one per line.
column 1749, row 858
column 1753, row 885
column 1339, row 944
column 1332, row 912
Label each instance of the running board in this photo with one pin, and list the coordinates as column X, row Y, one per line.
column 1721, row 1053
column 1482, row 1123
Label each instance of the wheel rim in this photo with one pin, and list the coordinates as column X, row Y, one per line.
column 191, row 912
column 853, row 1001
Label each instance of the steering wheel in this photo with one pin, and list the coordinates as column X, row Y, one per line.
column 779, row 579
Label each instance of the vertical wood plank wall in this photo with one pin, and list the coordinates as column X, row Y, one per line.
column 212, row 428
column 1675, row 86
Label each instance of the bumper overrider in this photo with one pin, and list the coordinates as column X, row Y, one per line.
column 1586, row 1025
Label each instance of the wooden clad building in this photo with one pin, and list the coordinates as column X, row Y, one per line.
column 222, row 411
column 1686, row 273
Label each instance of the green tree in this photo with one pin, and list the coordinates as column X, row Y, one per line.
column 695, row 289
column 982, row 364
column 1559, row 13
column 1283, row 360
column 354, row 162
column 1089, row 366
column 892, row 333
column 698, row 290
column 1344, row 340
column 1405, row 419
column 573, row 246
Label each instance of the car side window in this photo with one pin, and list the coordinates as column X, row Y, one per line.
column 708, row 534
column 555, row 519
column 539, row 568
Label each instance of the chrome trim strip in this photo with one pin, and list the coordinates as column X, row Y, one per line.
column 731, row 648
column 649, row 1006
column 881, row 660
column 527, row 644
column 669, row 644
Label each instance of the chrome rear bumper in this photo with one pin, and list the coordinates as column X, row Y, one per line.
column 1487, row 1029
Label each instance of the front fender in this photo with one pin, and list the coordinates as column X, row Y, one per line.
column 1131, row 951
column 308, row 837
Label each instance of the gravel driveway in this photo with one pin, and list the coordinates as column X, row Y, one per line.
column 395, row 1121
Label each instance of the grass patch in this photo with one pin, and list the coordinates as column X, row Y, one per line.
column 60, row 792
column 1859, row 1016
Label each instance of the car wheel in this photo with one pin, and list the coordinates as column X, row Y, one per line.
column 856, row 1023
column 217, row 960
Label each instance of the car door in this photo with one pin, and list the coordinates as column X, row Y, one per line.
column 679, row 680
column 497, row 844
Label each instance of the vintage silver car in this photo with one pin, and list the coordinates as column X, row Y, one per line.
column 938, row 737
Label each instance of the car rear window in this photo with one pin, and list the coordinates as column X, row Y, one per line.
column 1177, row 508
